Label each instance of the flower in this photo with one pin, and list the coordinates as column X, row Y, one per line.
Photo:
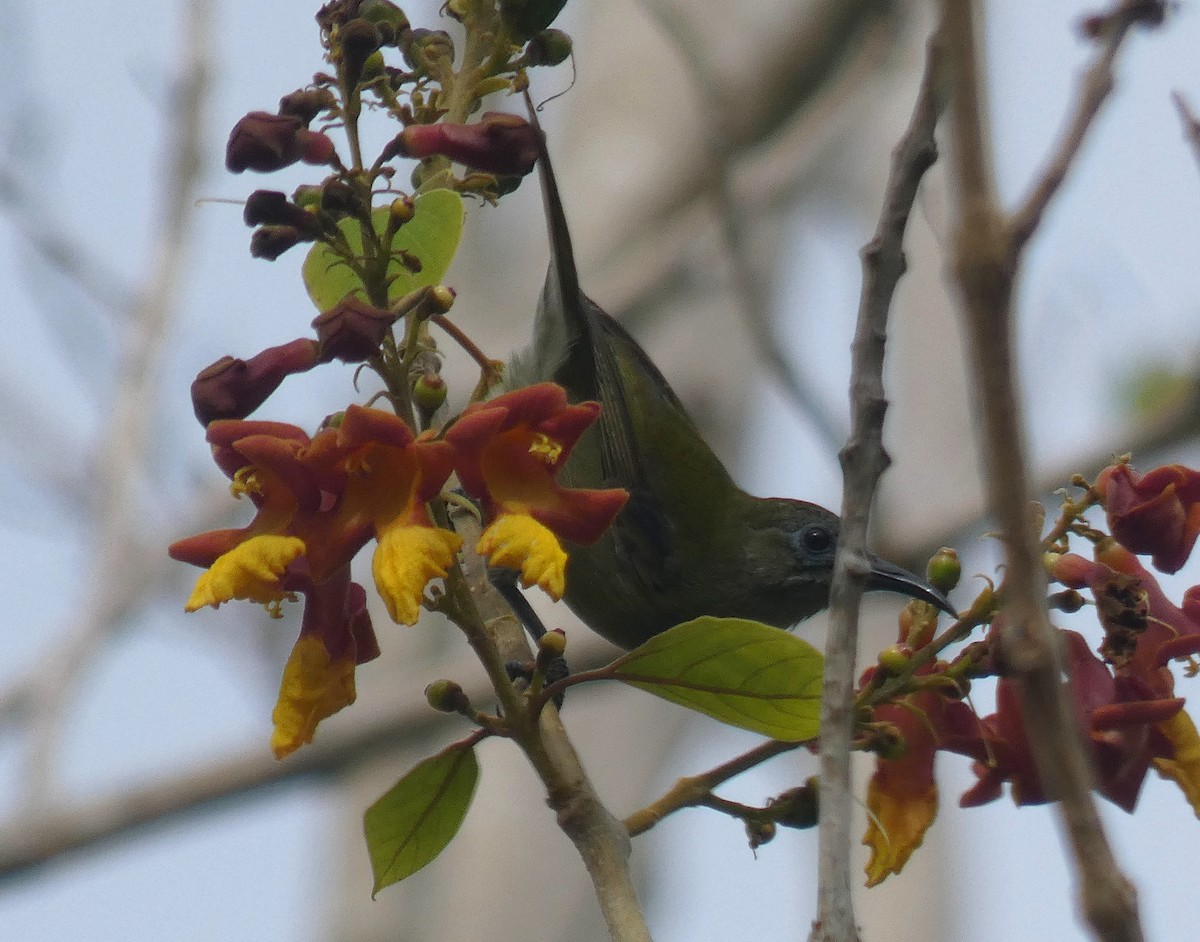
column 1144, row 631
column 902, row 795
column 318, row 502
column 1157, row 513
column 509, row 453
column 1120, row 718
column 232, row 388
column 498, row 143
column 265, row 142
column 352, row 330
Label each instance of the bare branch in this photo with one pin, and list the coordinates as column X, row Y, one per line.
column 125, row 438
column 987, row 252
column 1095, row 85
column 863, row 461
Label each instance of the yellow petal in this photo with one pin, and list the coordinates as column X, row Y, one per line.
column 313, row 688
column 406, row 559
column 896, row 828
column 251, row 570
column 517, row 541
column 1184, row 769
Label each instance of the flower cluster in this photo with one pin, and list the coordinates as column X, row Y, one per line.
column 364, row 476
column 1124, row 692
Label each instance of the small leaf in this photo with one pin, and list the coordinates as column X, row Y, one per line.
column 417, row 817
column 431, row 236
column 740, row 672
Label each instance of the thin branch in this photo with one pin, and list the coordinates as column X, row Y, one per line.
column 692, row 790
column 987, row 253
column 749, row 287
column 1095, row 85
column 1191, row 124
column 126, row 436
column 863, row 461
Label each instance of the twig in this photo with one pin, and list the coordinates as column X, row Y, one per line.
column 693, row 789
column 1191, row 124
column 1095, row 85
column 125, row 438
column 749, row 287
column 863, row 461
column 60, row 829
column 987, row 252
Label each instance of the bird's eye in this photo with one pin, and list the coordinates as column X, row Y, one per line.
column 817, row 539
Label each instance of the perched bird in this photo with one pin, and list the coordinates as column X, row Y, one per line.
column 689, row 542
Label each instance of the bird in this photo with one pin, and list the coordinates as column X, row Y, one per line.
column 689, row 542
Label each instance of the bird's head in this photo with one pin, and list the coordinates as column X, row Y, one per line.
column 791, row 550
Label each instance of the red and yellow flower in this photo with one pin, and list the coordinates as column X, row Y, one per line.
column 510, row 451
column 319, row 501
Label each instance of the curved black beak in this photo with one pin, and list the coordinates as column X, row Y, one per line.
column 891, row 578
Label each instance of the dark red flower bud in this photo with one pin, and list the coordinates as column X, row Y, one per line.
column 306, row 103
column 339, row 199
column 357, row 39
column 1156, row 513
column 232, row 388
column 270, row 242
column 265, row 142
column 272, row 208
column 499, row 143
column 315, row 148
column 352, row 330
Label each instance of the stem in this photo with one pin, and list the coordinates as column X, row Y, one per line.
column 602, row 843
column 863, row 461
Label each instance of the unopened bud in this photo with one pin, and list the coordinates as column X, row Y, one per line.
column 411, row 263
column 358, row 39
column 1069, row 600
column 944, row 569
column 797, row 807
column 233, row 388
column 270, row 242
column 401, row 210
column 424, row 49
column 553, row 643
column 270, row 207
column 306, row 103
column 549, row 47
column 437, row 299
column 446, row 696
column 385, row 15
column 894, row 660
column 352, row 330
column 526, row 18
column 760, row 832
column 502, row 144
column 429, row 392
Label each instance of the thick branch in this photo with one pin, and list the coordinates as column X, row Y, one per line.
column 987, row 251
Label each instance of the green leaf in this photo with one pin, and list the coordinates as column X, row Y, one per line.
column 418, row 816
column 740, row 672
column 431, row 235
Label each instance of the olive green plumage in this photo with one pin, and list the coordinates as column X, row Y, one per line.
column 689, row 542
